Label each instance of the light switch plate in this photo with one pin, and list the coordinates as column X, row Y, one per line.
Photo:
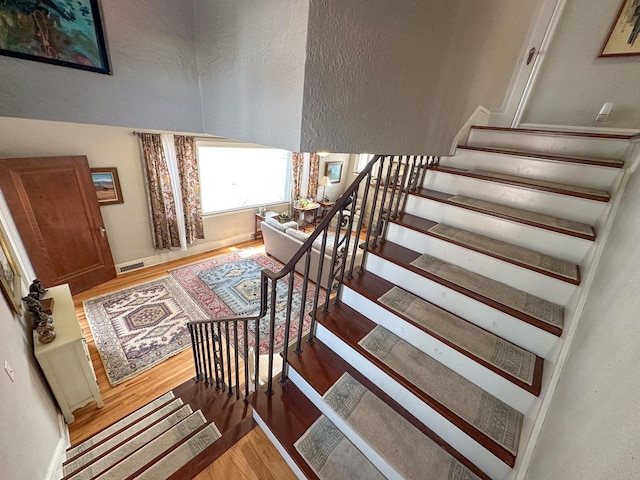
column 9, row 370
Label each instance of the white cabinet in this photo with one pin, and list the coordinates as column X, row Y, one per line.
column 65, row 361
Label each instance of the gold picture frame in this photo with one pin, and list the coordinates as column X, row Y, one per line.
column 10, row 281
column 624, row 36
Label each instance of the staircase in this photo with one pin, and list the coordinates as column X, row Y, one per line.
column 439, row 354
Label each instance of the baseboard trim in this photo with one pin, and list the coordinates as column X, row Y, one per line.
column 54, row 472
column 480, row 116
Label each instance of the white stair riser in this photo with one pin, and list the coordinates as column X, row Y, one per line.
column 348, row 432
column 455, row 437
column 591, row 176
column 557, row 245
column 538, row 284
column 486, row 379
column 511, row 329
column 558, row 145
column 562, row 206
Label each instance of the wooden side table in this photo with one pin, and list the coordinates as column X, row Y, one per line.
column 324, row 206
column 312, row 209
column 257, row 234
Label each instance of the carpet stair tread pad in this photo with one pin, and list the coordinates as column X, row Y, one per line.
column 394, row 438
column 331, row 455
column 120, row 424
column 523, row 215
column 527, row 304
column 95, row 465
column 161, row 444
column 484, row 412
column 523, row 256
column 509, row 358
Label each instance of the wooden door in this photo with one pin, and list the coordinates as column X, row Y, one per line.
column 54, row 205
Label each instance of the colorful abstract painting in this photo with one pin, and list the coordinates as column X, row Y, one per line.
column 61, row 32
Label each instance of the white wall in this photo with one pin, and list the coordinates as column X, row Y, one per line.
column 574, row 83
column 29, row 430
column 154, row 81
column 404, row 77
column 591, row 431
column 251, row 56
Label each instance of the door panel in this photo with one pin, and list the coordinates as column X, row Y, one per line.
column 54, row 206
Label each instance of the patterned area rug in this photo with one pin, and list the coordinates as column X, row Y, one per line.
column 228, row 286
column 139, row 327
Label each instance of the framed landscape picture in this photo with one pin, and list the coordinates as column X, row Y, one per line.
column 61, row 32
column 333, row 170
column 624, row 36
column 9, row 277
column 107, row 185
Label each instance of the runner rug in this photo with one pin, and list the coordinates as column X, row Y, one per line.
column 139, row 327
column 229, row 286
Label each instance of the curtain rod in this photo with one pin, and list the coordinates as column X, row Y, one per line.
column 199, row 137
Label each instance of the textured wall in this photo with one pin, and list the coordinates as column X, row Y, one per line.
column 591, row 431
column 251, row 56
column 30, row 433
column 403, row 78
column 574, row 83
column 154, row 81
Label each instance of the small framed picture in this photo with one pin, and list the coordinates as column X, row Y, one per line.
column 107, row 185
column 624, row 36
column 333, row 170
column 9, row 275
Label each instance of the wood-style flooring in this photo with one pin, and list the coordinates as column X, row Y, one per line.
column 253, row 457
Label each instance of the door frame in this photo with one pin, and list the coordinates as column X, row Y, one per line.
column 540, row 35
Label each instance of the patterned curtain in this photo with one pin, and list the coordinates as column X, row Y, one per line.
column 189, row 186
column 161, row 200
column 314, row 168
column 297, row 162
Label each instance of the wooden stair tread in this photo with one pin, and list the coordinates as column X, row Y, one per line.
column 422, row 225
column 600, row 162
column 373, row 287
column 402, row 257
column 288, row 413
column 556, row 133
column 317, row 363
column 546, row 222
column 336, row 321
column 529, row 183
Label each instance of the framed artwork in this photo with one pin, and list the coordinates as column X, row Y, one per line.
column 10, row 282
column 107, row 185
column 63, row 32
column 333, row 170
column 624, row 36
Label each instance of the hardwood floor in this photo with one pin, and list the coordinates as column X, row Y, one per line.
column 253, row 457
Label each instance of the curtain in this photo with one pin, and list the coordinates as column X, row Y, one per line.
column 164, row 222
column 189, row 186
column 314, row 168
column 297, row 163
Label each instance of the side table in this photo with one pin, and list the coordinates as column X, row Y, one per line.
column 324, row 206
column 257, row 234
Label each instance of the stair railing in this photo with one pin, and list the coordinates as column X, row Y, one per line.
column 357, row 222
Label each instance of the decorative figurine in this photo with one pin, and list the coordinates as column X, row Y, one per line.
column 36, row 290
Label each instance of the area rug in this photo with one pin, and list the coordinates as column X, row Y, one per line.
column 139, row 327
column 229, row 286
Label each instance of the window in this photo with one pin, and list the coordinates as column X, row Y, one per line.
column 362, row 161
column 234, row 178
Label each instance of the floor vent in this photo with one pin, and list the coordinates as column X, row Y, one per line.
column 133, row 266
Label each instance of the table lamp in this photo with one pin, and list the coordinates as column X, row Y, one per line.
column 324, row 181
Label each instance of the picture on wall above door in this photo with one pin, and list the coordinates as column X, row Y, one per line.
column 61, row 32
column 624, row 36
